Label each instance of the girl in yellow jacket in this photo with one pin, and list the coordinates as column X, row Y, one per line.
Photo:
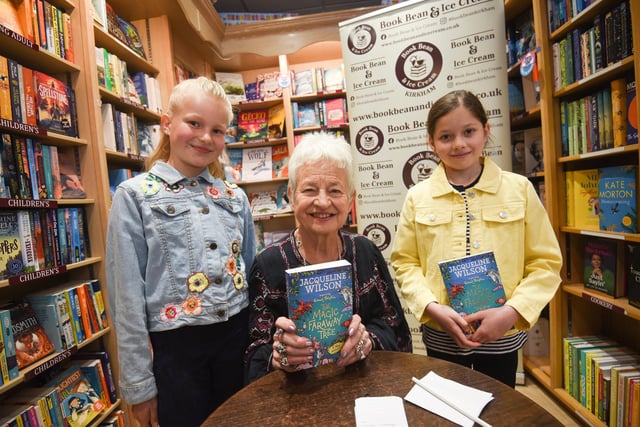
column 467, row 206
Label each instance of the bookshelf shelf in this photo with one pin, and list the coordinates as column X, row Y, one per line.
column 123, row 104
column 115, row 46
column 576, row 310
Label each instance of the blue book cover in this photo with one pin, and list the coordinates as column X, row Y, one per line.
column 617, row 196
column 320, row 304
column 473, row 283
column 6, row 331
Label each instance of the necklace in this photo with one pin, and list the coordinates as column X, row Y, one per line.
column 300, row 248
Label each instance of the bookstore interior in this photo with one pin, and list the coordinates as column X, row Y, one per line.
column 83, row 85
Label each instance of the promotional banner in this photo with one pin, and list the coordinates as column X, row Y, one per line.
column 398, row 61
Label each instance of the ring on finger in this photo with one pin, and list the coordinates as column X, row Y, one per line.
column 281, row 348
column 279, row 331
column 283, row 360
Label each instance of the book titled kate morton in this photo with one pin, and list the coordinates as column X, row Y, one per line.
column 473, row 282
column 320, row 304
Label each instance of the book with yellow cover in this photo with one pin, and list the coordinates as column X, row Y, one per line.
column 586, row 206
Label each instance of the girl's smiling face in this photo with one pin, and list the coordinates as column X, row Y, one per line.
column 196, row 133
column 458, row 139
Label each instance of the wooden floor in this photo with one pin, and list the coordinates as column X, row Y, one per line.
column 536, row 392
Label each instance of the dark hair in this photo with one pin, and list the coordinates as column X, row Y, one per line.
column 451, row 101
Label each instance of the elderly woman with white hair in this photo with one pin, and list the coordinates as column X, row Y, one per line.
column 321, row 190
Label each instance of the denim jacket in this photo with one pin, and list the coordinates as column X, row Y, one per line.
column 178, row 251
column 505, row 216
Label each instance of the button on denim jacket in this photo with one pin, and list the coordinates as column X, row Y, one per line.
column 178, row 251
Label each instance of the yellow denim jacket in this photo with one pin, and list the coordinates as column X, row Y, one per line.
column 506, row 216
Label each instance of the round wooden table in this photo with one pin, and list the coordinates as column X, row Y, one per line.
column 326, row 395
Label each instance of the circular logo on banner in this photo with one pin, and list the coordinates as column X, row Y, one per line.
column 369, row 140
column 419, row 167
column 361, row 39
column 378, row 234
column 419, row 65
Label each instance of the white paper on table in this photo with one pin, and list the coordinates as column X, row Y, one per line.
column 384, row 411
column 469, row 398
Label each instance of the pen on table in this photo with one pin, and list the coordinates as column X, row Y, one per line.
column 448, row 402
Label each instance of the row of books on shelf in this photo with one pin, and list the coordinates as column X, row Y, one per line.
column 604, row 119
column 584, row 51
column 40, row 239
column 125, row 133
column 32, row 99
column 40, row 23
column 521, row 37
column 182, row 72
column 269, row 85
column 71, row 394
column 123, row 30
column 265, row 238
column 257, row 163
column 325, row 113
column 612, row 267
column 311, row 81
column 118, row 176
column 527, row 151
column 524, row 91
column 136, row 87
column 257, row 125
column 603, row 198
column 269, row 202
column 48, row 322
column 604, row 377
column 33, row 170
column 266, row 86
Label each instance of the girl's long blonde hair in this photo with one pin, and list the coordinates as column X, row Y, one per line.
column 181, row 91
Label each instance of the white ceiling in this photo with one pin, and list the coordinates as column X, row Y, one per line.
column 300, row 7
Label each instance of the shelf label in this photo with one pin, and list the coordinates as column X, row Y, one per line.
column 22, row 127
column 50, row 363
column 18, row 37
column 28, row 203
column 27, row 277
column 602, row 303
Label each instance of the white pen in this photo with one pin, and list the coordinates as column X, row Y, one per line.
column 448, row 402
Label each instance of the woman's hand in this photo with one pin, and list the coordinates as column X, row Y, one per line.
column 358, row 344
column 290, row 351
column 456, row 326
column 146, row 413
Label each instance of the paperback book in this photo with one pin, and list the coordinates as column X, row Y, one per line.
column 275, row 121
column 31, row 340
column 320, row 304
column 632, row 272
column 54, row 101
column 11, row 262
column 70, row 178
column 256, row 164
column 233, row 86
column 473, row 283
column 617, row 195
column 280, row 161
column 253, row 125
column 80, row 403
column 600, row 266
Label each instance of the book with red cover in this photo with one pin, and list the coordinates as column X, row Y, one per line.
column 70, row 178
column 53, row 98
column 335, row 113
column 32, row 342
column 253, row 125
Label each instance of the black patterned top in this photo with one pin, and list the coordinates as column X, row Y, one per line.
column 374, row 298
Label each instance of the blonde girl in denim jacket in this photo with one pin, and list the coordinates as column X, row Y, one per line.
column 180, row 241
